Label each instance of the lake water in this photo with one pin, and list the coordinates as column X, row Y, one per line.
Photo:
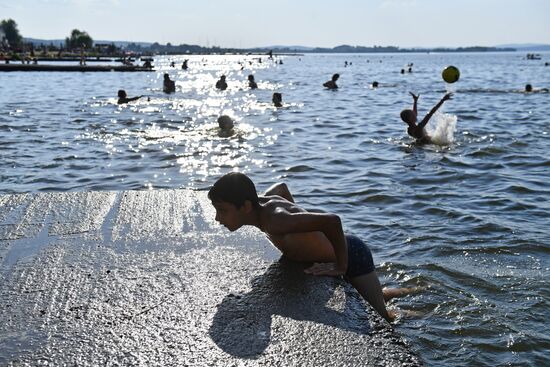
column 467, row 220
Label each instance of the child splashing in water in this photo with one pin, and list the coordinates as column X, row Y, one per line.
column 439, row 135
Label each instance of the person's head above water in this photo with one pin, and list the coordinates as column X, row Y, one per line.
column 251, row 77
column 528, row 88
column 335, row 77
column 222, row 77
column 408, row 116
column 277, row 99
column 166, row 76
column 225, row 122
column 234, row 188
column 122, row 93
column 375, row 84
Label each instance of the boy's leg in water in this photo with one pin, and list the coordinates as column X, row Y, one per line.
column 370, row 289
column 390, row 293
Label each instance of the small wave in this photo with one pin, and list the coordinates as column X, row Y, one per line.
column 523, row 247
column 339, row 163
column 522, row 163
column 346, row 136
column 381, row 198
column 299, row 168
column 441, row 212
column 451, row 162
column 490, row 228
column 487, row 152
column 458, row 275
column 518, row 189
column 470, row 117
column 44, row 180
column 50, row 165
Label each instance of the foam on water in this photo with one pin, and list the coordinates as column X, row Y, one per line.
column 443, row 131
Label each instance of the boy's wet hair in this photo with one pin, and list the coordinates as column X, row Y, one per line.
column 234, row 188
column 121, row 93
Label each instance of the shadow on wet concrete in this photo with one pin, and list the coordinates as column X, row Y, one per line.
column 242, row 324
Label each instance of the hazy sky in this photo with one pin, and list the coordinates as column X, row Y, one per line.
column 250, row 23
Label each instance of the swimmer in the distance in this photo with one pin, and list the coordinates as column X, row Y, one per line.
column 331, row 84
column 123, row 98
column 529, row 89
column 277, row 99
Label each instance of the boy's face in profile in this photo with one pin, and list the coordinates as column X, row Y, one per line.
column 228, row 215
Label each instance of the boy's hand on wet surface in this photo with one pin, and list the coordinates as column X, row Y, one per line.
column 329, row 269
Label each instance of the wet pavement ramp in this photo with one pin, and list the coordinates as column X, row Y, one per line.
column 148, row 278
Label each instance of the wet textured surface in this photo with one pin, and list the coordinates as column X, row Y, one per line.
column 147, row 278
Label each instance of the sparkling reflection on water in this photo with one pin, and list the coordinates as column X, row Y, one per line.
column 468, row 221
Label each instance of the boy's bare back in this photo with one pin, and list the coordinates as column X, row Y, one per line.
column 301, row 246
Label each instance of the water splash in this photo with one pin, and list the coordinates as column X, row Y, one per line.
column 442, row 128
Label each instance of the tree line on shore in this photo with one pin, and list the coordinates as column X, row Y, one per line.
column 14, row 46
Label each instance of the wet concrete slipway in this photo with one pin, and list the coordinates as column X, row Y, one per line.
column 148, row 278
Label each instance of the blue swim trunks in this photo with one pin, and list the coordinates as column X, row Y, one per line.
column 359, row 257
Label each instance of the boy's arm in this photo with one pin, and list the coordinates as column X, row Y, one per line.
column 283, row 222
column 415, row 102
column 435, row 108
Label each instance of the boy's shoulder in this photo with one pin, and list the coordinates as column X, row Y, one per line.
column 275, row 204
column 272, row 201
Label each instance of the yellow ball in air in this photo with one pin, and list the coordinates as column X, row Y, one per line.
column 450, row 74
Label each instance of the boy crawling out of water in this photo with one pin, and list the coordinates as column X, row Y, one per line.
column 410, row 117
column 301, row 235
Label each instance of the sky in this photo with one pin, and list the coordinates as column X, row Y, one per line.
column 314, row 23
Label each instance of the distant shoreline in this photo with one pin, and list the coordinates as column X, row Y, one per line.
column 169, row 49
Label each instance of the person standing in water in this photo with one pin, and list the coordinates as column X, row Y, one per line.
column 251, row 82
column 168, row 85
column 221, row 84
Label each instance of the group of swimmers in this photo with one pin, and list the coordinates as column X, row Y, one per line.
column 408, row 116
column 226, row 123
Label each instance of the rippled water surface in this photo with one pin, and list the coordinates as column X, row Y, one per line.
column 466, row 220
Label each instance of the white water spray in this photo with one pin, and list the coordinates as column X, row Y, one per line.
column 442, row 128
